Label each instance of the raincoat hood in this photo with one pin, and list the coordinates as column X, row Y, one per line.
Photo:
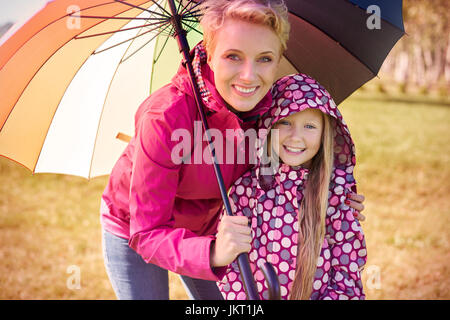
column 295, row 93
column 272, row 200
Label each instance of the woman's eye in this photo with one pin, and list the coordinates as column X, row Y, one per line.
column 266, row 59
column 233, row 57
column 284, row 122
column 310, row 126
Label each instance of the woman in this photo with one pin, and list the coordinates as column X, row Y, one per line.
column 158, row 214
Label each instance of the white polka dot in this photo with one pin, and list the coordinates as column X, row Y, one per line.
column 231, row 296
column 284, row 266
column 291, row 274
column 319, row 261
column 294, row 251
column 281, row 199
column 259, row 208
column 263, row 240
column 339, row 236
column 343, row 297
column 271, row 194
column 288, row 218
column 353, row 267
column 236, row 286
column 288, row 195
column 325, row 278
column 362, row 253
column 340, row 180
column 278, row 223
column 276, row 247
column 317, row 284
column 286, row 242
column 339, row 190
column 292, row 175
column 283, row 291
column 357, row 244
column 338, row 276
column 259, row 286
column 305, row 88
column 240, row 190
column 347, row 247
column 327, row 254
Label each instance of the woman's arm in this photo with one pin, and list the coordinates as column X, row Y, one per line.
column 154, row 183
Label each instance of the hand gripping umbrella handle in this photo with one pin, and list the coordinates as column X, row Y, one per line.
column 242, row 260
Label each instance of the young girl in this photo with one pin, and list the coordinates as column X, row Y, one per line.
column 298, row 209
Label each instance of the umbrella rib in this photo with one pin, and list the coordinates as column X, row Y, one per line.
column 122, row 42
column 189, row 20
column 120, row 30
column 118, row 18
column 125, row 59
column 143, row 9
column 160, row 51
column 190, row 9
column 191, row 28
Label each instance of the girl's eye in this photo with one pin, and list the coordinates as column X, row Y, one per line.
column 284, row 122
column 310, row 126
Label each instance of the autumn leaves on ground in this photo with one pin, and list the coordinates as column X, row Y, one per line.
column 50, row 229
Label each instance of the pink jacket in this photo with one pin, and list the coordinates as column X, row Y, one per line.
column 273, row 201
column 169, row 212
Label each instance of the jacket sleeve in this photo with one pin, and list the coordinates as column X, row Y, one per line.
column 153, row 187
column 348, row 254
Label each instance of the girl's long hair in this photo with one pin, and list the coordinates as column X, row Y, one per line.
column 312, row 213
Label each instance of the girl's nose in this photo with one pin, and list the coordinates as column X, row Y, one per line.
column 297, row 133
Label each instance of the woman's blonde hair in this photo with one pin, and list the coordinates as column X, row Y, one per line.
column 312, row 215
column 271, row 13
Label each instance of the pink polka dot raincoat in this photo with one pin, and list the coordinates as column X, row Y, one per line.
column 273, row 207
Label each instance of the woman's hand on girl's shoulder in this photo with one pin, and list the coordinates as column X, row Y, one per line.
column 355, row 201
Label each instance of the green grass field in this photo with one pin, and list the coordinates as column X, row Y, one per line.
column 50, row 227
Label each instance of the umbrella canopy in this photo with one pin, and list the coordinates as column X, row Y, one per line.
column 70, row 83
column 63, row 100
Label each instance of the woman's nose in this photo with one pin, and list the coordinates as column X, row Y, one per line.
column 248, row 72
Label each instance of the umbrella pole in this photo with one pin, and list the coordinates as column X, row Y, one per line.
column 243, row 261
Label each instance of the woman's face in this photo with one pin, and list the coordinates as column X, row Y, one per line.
column 244, row 60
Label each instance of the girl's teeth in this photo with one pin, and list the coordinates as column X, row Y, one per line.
column 244, row 90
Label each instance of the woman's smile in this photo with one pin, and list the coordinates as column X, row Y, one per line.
column 244, row 91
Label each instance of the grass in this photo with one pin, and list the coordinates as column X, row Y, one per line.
column 49, row 223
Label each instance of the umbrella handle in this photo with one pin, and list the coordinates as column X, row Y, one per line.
column 242, row 260
column 273, row 283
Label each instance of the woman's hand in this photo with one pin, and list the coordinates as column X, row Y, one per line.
column 356, row 202
column 233, row 238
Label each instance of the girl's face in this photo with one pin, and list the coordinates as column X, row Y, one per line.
column 299, row 137
column 244, row 60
